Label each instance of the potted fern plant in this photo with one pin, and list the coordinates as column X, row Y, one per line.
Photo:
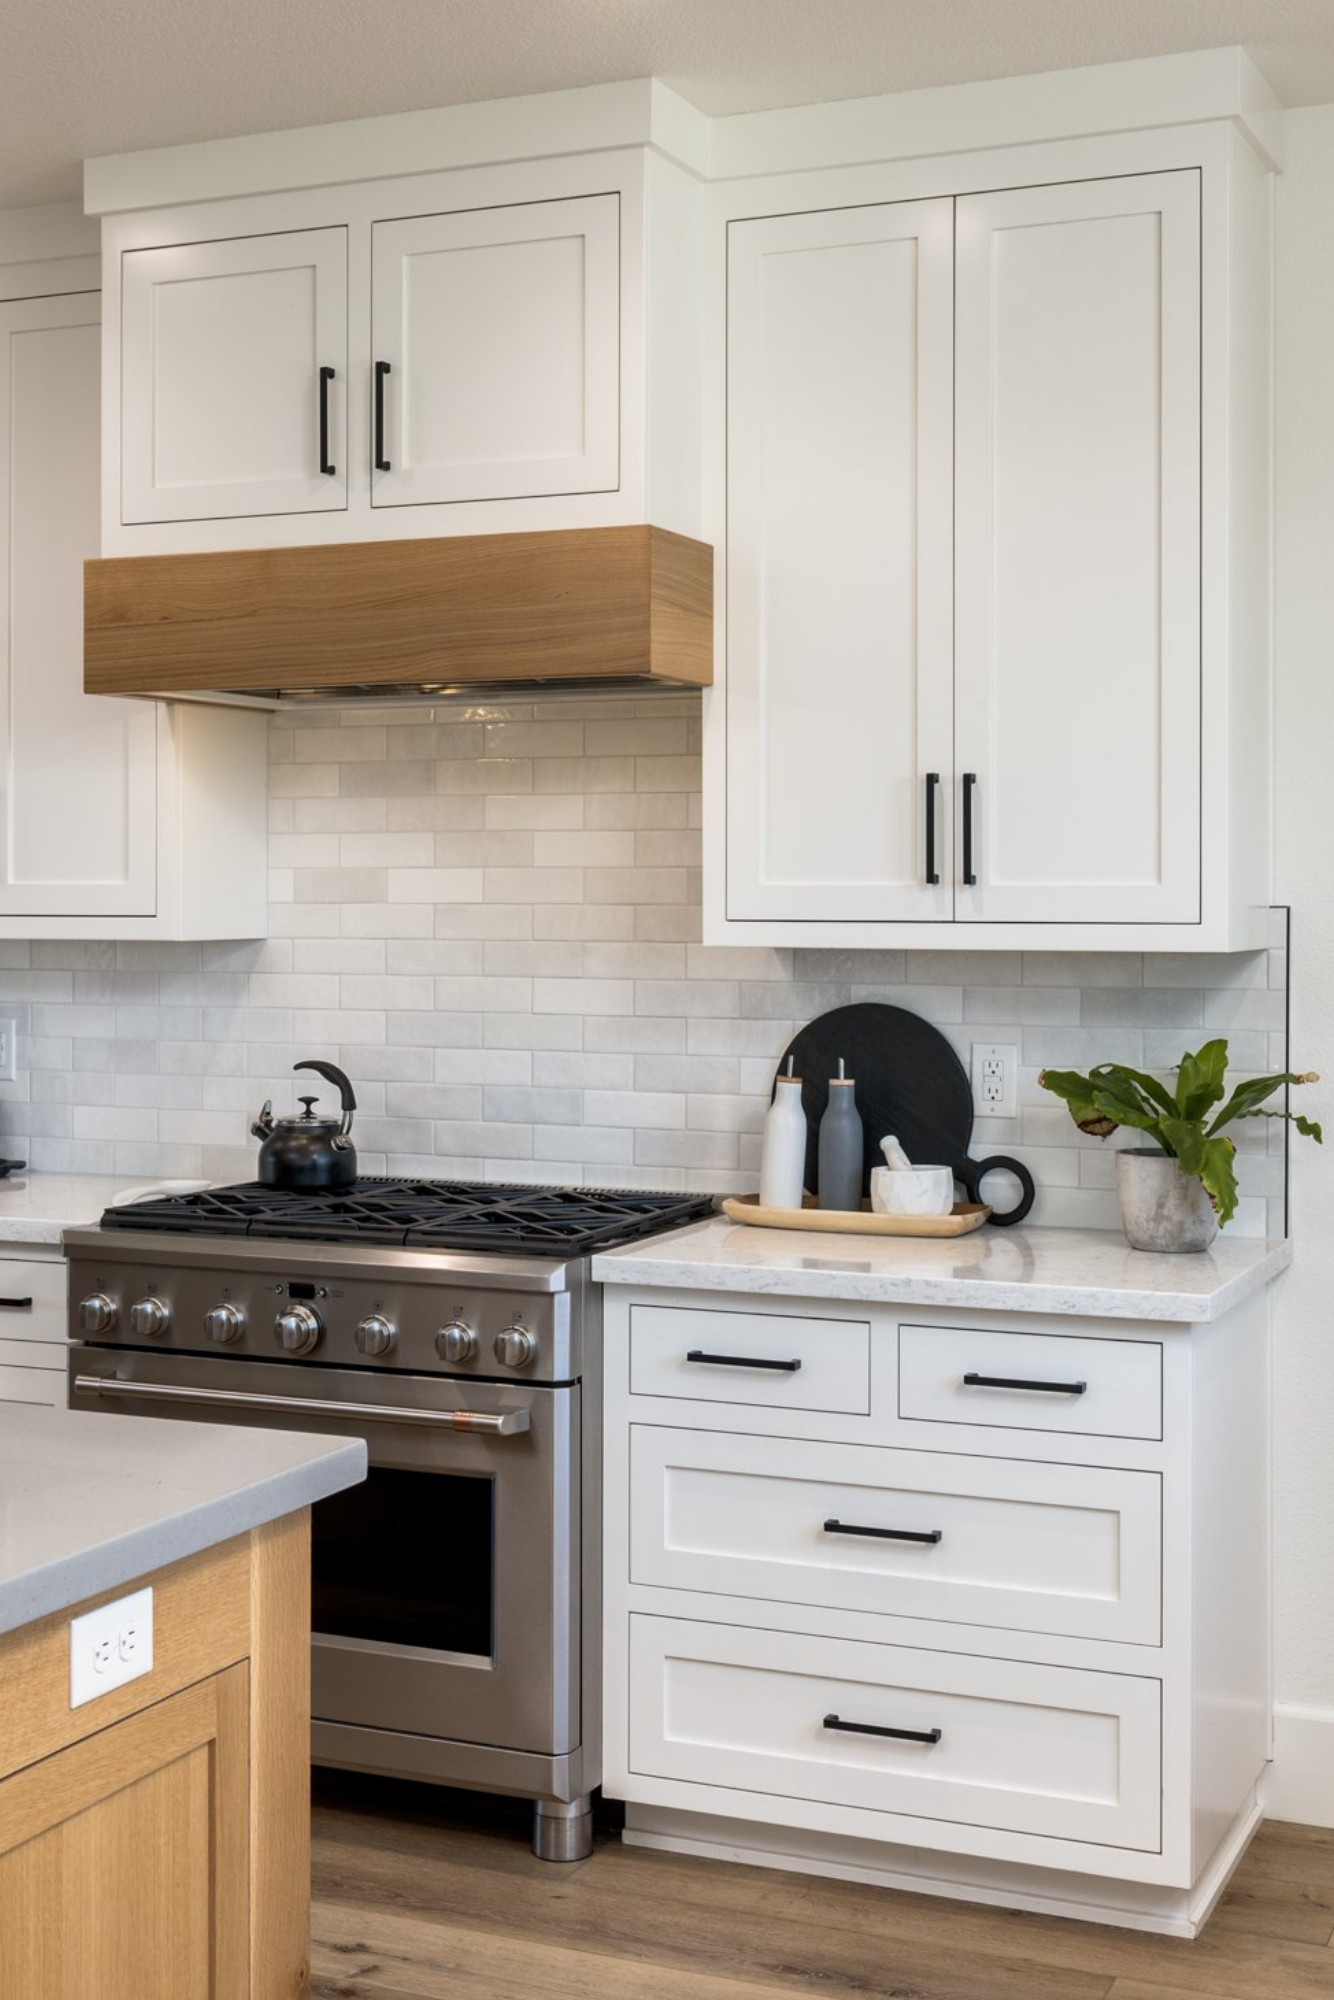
column 1177, row 1193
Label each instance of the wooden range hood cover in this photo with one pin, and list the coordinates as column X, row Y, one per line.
column 572, row 608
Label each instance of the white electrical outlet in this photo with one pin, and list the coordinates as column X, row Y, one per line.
column 995, row 1079
column 110, row 1646
column 8, row 1051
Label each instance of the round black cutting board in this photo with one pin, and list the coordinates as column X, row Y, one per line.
column 909, row 1082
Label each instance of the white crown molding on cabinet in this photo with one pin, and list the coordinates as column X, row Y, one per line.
column 1201, row 87
column 49, row 249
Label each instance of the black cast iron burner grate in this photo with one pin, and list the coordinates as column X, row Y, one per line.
column 429, row 1215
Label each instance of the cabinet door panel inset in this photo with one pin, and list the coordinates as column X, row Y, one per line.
column 123, row 1859
column 78, row 830
column 223, row 344
column 501, row 329
column 839, row 562
column 1078, row 550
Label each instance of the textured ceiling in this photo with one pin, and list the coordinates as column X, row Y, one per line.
column 79, row 77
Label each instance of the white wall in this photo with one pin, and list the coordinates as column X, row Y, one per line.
column 1304, row 875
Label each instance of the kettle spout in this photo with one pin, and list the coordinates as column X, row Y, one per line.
column 263, row 1125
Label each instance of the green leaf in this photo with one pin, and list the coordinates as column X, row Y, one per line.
column 1124, row 1109
column 1307, row 1126
column 1077, row 1093
column 1200, row 1079
column 1248, row 1096
column 1209, row 1159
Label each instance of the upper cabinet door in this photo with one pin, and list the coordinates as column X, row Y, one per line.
column 78, row 773
column 228, row 406
column 1077, row 611
column 496, row 353
column 839, row 578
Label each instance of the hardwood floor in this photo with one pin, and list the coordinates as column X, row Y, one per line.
column 424, row 1895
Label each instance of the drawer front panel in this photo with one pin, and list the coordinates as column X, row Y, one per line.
column 1053, row 1751
column 32, row 1301
column 32, row 1385
column 765, row 1360
column 1066, row 1549
column 1031, row 1381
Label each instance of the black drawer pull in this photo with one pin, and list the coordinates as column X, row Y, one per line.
column 1018, row 1382
column 742, row 1361
column 16, row 1305
column 381, row 462
column 874, row 1729
column 932, row 787
column 886, row 1534
column 327, row 467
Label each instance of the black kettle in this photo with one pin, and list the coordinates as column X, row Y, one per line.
column 306, row 1154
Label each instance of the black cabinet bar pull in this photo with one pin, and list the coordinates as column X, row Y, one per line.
column 932, row 787
column 1018, row 1382
column 969, row 785
column 326, row 377
column 381, row 462
column 742, row 1361
column 874, row 1729
column 885, row 1534
column 15, row 1305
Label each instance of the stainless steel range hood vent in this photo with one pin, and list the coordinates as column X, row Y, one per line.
column 570, row 611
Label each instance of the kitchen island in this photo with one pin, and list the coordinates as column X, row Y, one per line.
column 942, row 1564
column 154, row 1757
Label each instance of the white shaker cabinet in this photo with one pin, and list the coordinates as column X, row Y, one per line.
column 993, row 497
column 118, row 819
column 1077, row 552
column 78, row 835
column 234, row 377
column 494, row 339
column 838, row 695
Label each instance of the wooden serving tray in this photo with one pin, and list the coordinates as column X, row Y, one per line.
column 965, row 1217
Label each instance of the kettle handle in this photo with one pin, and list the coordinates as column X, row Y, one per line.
column 332, row 1074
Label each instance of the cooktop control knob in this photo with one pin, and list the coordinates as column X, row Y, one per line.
column 97, row 1314
column 376, row 1335
column 224, row 1324
column 298, row 1329
column 515, row 1347
column 149, row 1319
column 456, row 1342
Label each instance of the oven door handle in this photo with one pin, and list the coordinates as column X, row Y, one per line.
column 505, row 1423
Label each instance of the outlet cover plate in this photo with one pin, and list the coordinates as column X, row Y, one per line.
column 995, row 1079
column 110, row 1646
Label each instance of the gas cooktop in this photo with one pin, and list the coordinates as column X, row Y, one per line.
column 440, row 1215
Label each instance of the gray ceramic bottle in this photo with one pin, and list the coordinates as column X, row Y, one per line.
column 841, row 1146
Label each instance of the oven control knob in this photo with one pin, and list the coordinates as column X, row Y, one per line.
column 224, row 1324
column 97, row 1314
column 456, row 1342
column 149, row 1319
column 298, row 1329
column 515, row 1347
column 376, row 1335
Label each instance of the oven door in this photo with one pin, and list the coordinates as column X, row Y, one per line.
column 445, row 1589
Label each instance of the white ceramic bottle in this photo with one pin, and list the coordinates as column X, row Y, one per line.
column 783, row 1154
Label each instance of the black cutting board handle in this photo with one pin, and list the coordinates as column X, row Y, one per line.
column 910, row 1082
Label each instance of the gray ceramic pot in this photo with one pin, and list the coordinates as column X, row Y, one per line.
column 1162, row 1208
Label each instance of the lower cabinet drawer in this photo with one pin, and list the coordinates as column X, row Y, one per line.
column 32, row 1385
column 1031, row 1381
column 32, row 1301
column 1053, row 1751
column 773, row 1360
column 1024, row 1546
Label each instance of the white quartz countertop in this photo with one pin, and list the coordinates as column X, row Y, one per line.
column 34, row 1208
column 91, row 1501
column 1088, row 1271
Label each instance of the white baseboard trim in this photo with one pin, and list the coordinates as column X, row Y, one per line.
column 1299, row 1784
column 1007, row 1885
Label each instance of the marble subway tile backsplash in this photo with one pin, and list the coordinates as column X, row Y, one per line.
column 490, row 917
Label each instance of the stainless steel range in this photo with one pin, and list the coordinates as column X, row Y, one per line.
column 456, row 1593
